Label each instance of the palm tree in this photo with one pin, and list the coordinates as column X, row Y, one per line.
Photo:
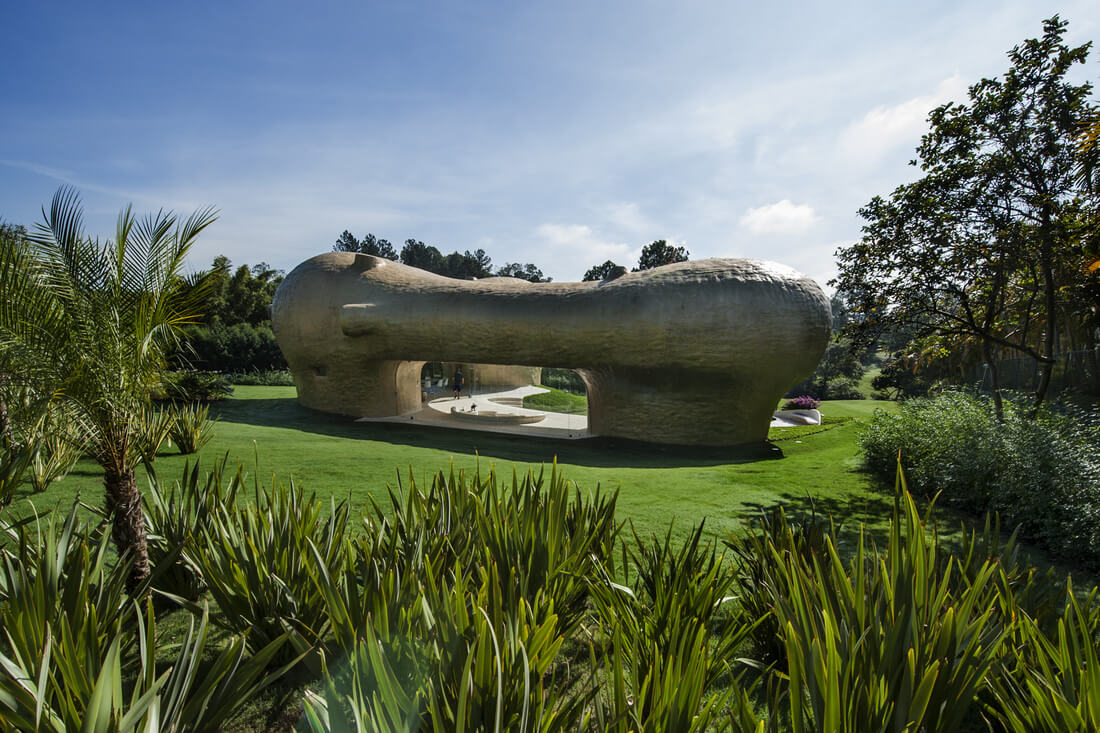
column 91, row 325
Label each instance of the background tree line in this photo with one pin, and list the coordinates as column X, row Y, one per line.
column 234, row 335
column 463, row 266
column 654, row 254
column 477, row 264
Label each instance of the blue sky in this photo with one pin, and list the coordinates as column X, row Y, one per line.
column 559, row 133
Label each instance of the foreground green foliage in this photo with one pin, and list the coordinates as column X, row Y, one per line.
column 15, row 462
column 78, row 654
column 1054, row 684
column 476, row 603
column 888, row 642
column 257, row 563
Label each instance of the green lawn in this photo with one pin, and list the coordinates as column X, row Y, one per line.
column 864, row 385
column 557, row 401
column 337, row 456
column 808, row 468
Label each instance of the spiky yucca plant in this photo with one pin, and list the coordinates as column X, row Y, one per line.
column 174, row 514
column 544, row 538
column 190, row 426
column 671, row 633
column 1052, row 683
column 78, row 654
column 258, row 562
column 448, row 611
column 58, row 444
column 16, row 460
column 760, row 580
column 465, row 658
column 152, row 432
column 889, row 641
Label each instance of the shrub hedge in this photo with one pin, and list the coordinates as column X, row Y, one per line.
column 1040, row 474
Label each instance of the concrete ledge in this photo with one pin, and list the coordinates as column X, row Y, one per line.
column 798, row 417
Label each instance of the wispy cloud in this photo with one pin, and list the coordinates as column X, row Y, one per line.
column 75, row 180
column 885, row 128
column 570, row 244
column 628, row 216
column 782, row 217
column 746, row 130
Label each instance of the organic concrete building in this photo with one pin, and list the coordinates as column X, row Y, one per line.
column 693, row 353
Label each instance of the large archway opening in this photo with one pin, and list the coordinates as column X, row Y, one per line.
column 493, row 397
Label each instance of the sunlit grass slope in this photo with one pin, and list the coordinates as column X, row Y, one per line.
column 337, row 456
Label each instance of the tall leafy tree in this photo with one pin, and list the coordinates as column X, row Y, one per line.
column 483, row 264
column 248, row 294
column 1088, row 154
column 93, row 323
column 979, row 249
column 660, row 253
column 236, row 333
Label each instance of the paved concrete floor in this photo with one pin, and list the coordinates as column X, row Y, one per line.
column 469, row 413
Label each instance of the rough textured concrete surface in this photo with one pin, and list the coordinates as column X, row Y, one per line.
column 694, row 353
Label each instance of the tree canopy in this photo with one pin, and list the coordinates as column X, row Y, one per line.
column 660, row 253
column 235, row 334
column 654, row 254
column 368, row 245
column 988, row 246
column 465, row 265
column 600, row 272
column 527, row 272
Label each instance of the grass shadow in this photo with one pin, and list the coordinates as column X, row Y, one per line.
column 870, row 513
column 596, row 452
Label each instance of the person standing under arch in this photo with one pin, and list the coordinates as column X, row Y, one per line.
column 458, row 383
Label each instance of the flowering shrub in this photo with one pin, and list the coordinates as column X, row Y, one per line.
column 802, row 402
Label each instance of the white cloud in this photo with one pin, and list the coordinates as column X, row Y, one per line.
column 577, row 247
column 627, row 216
column 782, row 217
column 884, row 128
